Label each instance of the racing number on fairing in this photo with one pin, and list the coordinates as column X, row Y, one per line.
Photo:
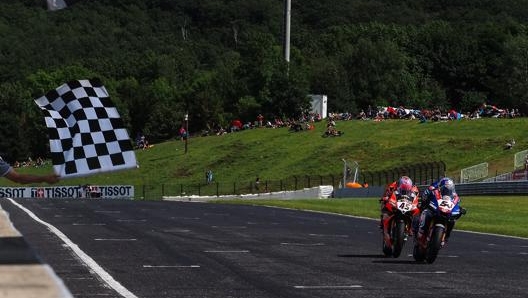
column 446, row 204
column 404, row 205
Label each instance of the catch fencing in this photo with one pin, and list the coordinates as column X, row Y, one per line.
column 474, row 173
column 423, row 173
column 520, row 160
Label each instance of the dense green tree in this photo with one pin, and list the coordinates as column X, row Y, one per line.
column 376, row 71
column 223, row 59
column 329, row 77
column 204, row 104
column 164, row 119
column 17, row 124
column 510, row 88
column 288, row 88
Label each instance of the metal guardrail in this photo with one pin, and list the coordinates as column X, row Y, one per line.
column 493, row 188
column 367, row 192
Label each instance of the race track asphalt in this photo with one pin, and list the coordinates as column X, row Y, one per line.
column 160, row 249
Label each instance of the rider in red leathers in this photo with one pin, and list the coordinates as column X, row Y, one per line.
column 402, row 187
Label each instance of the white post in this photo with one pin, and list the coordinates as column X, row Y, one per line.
column 186, row 131
column 287, row 22
column 344, row 172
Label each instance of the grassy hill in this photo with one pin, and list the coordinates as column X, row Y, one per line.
column 274, row 154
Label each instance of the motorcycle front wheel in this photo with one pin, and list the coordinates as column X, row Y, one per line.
column 387, row 249
column 435, row 244
column 398, row 236
column 418, row 253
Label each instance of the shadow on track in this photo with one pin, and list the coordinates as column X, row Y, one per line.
column 386, row 260
column 396, row 261
column 361, row 256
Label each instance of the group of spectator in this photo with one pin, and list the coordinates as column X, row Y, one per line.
column 331, row 130
column 29, row 163
column 142, row 142
column 306, row 120
column 436, row 114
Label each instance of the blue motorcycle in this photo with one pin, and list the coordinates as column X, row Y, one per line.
column 443, row 210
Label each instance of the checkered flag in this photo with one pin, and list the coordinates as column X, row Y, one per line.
column 86, row 133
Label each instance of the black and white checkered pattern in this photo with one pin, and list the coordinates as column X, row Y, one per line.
column 86, row 133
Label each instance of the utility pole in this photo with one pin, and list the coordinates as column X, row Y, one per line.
column 286, row 39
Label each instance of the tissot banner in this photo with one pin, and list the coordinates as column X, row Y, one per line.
column 68, row 192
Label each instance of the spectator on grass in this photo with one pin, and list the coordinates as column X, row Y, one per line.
column 220, row 131
column 236, row 125
column 370, row 112
column 183, row 133
column 260, row 120
column 362, row 115
column 379, row 117
column 30, row 161
column 146, row 144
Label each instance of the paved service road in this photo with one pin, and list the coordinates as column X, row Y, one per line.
column 121, row 248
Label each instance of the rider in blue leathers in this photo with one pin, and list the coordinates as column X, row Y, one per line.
column 440, row 188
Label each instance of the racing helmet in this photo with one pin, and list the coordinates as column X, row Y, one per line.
column 405, row 186
column 446, row 187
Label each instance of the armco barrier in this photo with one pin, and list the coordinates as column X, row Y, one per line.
column 320, row 192
column 493, row 188
column 465, row 189
column 367, row 192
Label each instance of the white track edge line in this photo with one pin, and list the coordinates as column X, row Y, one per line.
column 97, row 269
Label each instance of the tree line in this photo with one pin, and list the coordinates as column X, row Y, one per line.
column 218, row 60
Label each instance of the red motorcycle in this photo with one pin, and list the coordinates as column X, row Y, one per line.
column 398, row 226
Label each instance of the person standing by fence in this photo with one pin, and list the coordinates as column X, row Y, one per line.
column 209, row 176
column 257, row 184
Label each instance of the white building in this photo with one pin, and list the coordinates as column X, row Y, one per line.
column 319, row 104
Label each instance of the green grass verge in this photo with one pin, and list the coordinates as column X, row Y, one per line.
column 504, row 215
column 274, row 154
